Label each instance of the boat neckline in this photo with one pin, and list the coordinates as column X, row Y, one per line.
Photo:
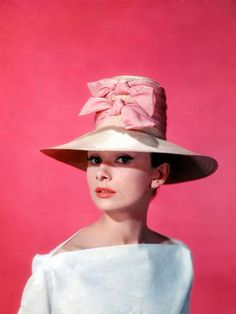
column 128, row 245
column 54, row 252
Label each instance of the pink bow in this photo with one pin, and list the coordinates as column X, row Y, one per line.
column 133, row 100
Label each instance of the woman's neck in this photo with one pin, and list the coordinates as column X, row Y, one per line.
column 123, row 228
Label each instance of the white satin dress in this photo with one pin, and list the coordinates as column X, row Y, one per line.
column 129, row 279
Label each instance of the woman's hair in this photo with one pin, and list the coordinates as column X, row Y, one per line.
column 157, row 159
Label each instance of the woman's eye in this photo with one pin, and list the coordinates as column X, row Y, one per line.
column 94, row 160
column 124, row 159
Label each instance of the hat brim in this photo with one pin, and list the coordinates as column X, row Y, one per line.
column 185, row 165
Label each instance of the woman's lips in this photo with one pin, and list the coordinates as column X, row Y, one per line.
column 104, row 192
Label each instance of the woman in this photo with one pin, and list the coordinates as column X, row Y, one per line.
column 117, row 264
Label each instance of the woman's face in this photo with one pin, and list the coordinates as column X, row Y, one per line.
column 120, row 180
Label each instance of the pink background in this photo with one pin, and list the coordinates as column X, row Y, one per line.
column 49, row 51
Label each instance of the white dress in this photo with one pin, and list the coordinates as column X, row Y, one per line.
column 130, row 279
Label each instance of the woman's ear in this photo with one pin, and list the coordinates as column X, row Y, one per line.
column 160, row 174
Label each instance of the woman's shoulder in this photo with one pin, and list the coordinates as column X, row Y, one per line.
column 39, row 262
column 175, row 251
column 87, row 238
column 81, row 239
column 154, row 237
column 42, row 261
column 84, row 239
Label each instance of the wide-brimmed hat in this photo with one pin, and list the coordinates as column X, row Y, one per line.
column 130, row 115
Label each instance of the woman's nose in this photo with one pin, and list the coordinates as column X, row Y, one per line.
column 103, row 173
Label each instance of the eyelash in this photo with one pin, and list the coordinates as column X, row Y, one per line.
column 92, row 158
column 95, row 160
column 127, row 159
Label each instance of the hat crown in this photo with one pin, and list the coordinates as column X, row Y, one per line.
column 140, row 101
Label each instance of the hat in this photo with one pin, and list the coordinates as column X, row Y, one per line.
column 130, row 115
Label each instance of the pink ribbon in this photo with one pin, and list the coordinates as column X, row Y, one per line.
column 133, row 100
